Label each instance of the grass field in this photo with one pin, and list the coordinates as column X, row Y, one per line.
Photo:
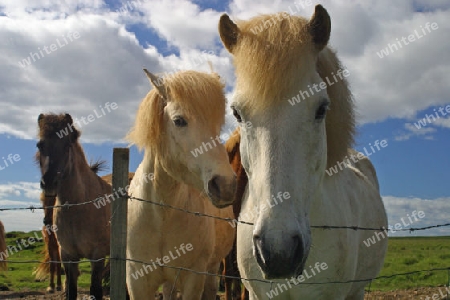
column 404, row 255
column 415, row 253
column 19, row 275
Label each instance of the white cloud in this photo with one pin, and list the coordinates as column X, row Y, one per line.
column 30, row 190
column 20, row 195
column 435, row 210
column 443, row 122
column 182, row 23
column 413, row 130
column 104, row 64
column 22, row 220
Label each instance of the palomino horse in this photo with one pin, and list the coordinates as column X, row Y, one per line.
column 83, row 230
column 179, row 115
column 3, row 264
column 285, row 153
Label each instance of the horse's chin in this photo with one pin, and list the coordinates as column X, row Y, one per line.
column 283, row 273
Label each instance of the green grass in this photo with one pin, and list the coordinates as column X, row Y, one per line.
column 415, row 253
column 404, row 255
column 19, row 275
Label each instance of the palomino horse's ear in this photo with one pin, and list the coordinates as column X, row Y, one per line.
column 157, row 83
column 320, row 27
column 229, row 32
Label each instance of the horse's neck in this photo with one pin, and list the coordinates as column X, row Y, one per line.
column 163, row 188
column 71, row 187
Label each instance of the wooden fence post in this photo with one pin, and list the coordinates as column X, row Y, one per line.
column 119, row 210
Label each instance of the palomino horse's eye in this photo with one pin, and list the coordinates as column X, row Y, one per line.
column 180, row 122
column 322, row 111
column 236, row 115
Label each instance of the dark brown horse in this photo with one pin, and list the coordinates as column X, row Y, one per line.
column 51, row 249
column 83, row 230
column 51, row 264
column 232, row 286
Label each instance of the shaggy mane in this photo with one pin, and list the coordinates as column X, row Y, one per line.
column 98, row 165
column 55, row 123
column 200, row 95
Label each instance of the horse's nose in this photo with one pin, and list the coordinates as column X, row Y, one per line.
column 279, row 259
column 221, row 189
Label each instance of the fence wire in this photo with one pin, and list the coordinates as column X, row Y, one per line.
column 228, row 276
column 200, row 214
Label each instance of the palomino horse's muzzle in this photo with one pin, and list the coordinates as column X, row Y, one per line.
column 281, row 258
column 221, row 190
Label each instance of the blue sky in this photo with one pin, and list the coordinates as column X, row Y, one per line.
column 118, row 39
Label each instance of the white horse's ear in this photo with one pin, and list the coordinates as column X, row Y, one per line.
column 320, row 27
column 229, row 32
column 157, row 83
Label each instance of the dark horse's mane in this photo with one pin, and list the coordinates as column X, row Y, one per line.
column 98, row 165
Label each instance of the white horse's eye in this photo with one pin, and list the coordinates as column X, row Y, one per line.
column 322, row 111
column 236, row 115
column 179, row 121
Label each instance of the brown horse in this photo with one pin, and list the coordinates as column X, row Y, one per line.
column 51, row 249
column 83, row 230
column 233, row 286
column 3, row 265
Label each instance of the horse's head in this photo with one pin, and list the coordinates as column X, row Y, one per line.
column 179, row 122
column 284, row 152
column 56, row 136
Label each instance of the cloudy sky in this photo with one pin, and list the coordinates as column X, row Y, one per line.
column 77, row 56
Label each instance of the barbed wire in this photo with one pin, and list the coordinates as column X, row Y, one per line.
column 198, row 214
column 205, row 273
column 201, row 214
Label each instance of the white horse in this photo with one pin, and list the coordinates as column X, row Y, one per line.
column 181, row 113
column 286, row 148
